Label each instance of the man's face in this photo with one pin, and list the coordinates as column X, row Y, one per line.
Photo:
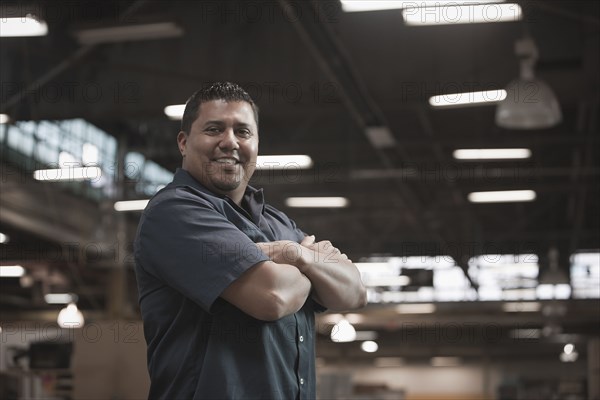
column 221, row 149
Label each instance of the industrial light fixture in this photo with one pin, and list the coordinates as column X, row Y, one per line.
column 60, row 298
column 380, row 137
column 4, row 118
column 374, row 281
column 569, row 354
column 130, row 205
column 553, row 282
column 366, row 335
column 418, row 308
column 445, row 361
column 502, row 196
column 491, row 154
column 452, row 100
column 11, row 271
column 528, row 306
column 382, row 362
column 525, row 333
column 4, row 238
column 28, row 25
column 530, row 103
column 291, row 161
column 68, row 174
column 343, row 332
column 70, row 317
column 121, row 33
column 456, row 13
column 175, row 111
column 369, row 346
column 317, row 202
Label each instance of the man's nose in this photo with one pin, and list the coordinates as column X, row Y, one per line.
column 229, row 141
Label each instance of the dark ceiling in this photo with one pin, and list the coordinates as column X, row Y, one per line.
column 321, row 77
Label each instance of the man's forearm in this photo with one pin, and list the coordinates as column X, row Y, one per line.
column 335, row 282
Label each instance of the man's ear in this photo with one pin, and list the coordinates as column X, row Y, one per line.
column 181, row 142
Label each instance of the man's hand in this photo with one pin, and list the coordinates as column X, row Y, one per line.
column 284, row 251
column 335, row 280
column 303, row 254
column 323, row 251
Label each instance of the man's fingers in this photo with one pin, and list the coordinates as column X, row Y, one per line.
column 308, row 240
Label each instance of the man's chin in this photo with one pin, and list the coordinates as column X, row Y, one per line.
column 227, row 186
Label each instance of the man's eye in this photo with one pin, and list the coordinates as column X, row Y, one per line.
column 244, row 133
column 213, row 130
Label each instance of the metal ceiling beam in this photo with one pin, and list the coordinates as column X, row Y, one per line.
column 61, row 67
column 330, row 54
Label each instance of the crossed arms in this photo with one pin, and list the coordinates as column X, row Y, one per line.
column 273, row 289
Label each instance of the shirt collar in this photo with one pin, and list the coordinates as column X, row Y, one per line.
column 254, row 197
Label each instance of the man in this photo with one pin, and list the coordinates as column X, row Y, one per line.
column 228, row 284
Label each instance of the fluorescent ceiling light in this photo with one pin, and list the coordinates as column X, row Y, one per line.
column 445, row 361
column 388, row 362
column 111, row 34
column 467, row 98
column 355, row 318
column 295, row 161
column 380, row 137
column 420, row 308
column 372, row 281
column 365, row 266
column 11, row 271
column 4, row 238
column 4, row 118
column 462, row 14
column 317, row 202
column 502, row 196
column 525, row 333
column 175, row 111
column 377, row 5
column 366, row 335
column 373, row 5
column 491, row 154
column 59, row 298
column 530, row 306
column 22, row 26
column 68, row 174
column 131, row 205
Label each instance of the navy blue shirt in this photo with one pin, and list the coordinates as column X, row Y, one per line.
column 190, row 245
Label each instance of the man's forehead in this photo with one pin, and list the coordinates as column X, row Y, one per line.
column 226, row 111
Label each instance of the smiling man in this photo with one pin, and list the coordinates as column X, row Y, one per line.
column 228, row 284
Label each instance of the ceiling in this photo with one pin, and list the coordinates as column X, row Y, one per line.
column 321, row 77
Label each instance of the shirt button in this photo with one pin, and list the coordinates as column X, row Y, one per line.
column 301, row 338
column 302, row 381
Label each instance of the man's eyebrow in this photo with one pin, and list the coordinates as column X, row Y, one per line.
column 214, row 122
column 220, row 122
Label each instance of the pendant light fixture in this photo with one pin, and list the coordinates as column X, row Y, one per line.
column 530, row 103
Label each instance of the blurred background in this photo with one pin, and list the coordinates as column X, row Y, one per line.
column 450, row 150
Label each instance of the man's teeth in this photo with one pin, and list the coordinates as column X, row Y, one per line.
column 228, row 161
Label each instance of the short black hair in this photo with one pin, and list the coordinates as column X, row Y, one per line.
column 226, row 91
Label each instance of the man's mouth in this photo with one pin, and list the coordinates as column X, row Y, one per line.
column 227, row 161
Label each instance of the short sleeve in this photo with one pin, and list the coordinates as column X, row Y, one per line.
column 191, row 247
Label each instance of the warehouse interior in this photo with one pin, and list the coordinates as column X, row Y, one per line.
column 469, row 297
